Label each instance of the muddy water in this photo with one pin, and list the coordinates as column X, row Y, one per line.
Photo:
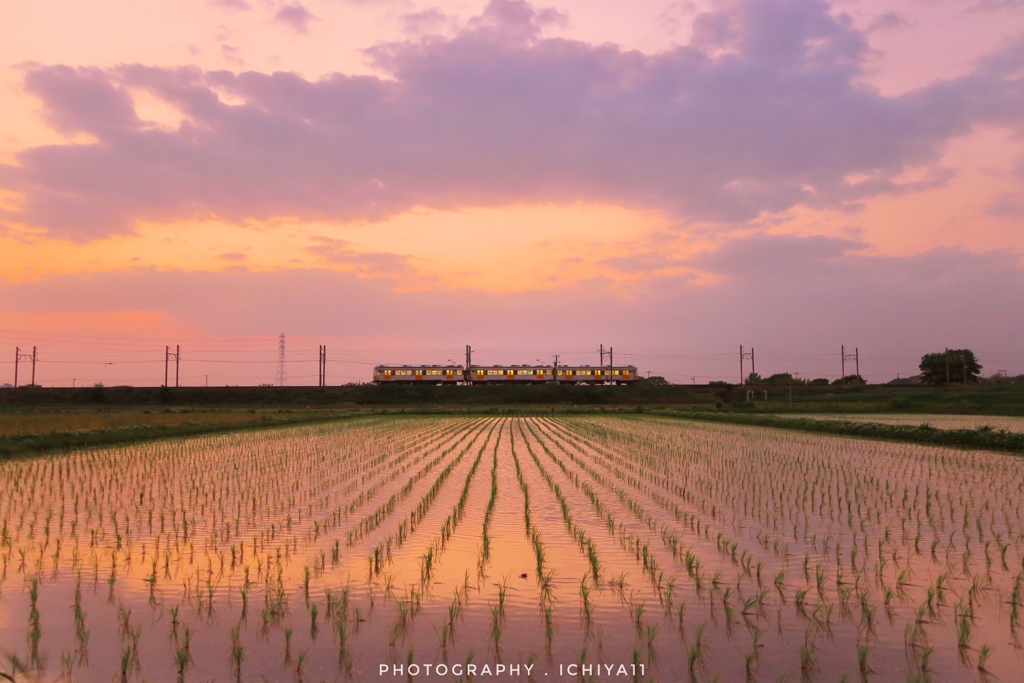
column 328, row 552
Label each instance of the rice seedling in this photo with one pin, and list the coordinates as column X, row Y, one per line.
column 586, row 606
column 808, row 664
column 983, row 654
column 863, row 651
column 300, row 664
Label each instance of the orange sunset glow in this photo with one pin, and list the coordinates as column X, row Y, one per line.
column 399, row 179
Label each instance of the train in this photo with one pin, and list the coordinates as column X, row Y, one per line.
column 504, row 374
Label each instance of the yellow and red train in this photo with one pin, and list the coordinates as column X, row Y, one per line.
column 503, row 374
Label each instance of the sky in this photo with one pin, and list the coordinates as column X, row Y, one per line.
column 397, row 179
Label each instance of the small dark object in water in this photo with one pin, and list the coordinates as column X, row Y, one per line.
column 523, row 575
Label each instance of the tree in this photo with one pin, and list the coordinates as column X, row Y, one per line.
column 850, row 380
column 784, row 378
column 950, row 366
column 653, row 380
column 753, row 378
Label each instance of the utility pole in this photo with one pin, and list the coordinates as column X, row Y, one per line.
column 282, row 370
column 19, row 356
column 750, row 355
column 555, row 375
column 946, row 355
column 322, row 366
column 167, row 364
column 469, row 361
column 611, row 362
column 855, row 357
column 602, row 356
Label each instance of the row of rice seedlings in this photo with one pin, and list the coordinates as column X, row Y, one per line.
column 545, row 577
column 125, row 544
column 668, row 536
column 374, row 518
column 451, row 523
column 646, row 632
column 381, row 554
column 99, row 528
column 198, row 592
column 885, row 569
column 485, row 545
column 631, row 542
column 579, row 534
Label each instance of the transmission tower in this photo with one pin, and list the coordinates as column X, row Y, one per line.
column 282, row 371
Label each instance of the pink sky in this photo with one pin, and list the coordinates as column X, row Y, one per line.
column 396, row 179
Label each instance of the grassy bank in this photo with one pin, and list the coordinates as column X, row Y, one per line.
column 990, row 399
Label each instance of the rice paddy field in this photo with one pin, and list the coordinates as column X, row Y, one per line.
column 1010, row 424
column 512, row 548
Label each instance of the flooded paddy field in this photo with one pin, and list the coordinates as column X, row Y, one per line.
column 1010, row 424
column 486, row 548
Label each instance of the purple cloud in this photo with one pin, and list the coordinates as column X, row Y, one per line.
column 427, row 22
column 296, row 17
column 765, row 110
column 887, row 21
column 775, row 256
column 1008, row 205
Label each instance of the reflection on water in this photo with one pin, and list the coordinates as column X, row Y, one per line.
column 651, row 548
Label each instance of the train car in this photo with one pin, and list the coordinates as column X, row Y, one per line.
column 510, row 374
column 417, row 374
column 586, row 374
column 504, row 374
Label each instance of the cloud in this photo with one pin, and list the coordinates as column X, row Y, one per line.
column 887, row 21
column 234, row 5
column 772, row 256
column 1008, row 205
column 790, row 297
column 369, row 264
column 232, row 55
column 765, row 110
column 296, row 17
column 644, row 263
column 429, row 22
column 995, row 5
